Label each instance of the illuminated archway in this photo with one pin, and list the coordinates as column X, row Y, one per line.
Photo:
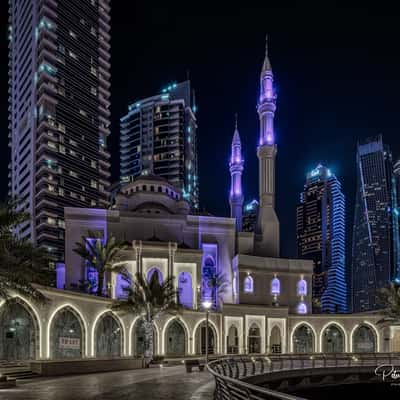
column 364, row 339
column 108, row 336
column 232, row 340
column 254, row 339
column 175, row 339
column 303, row 339
column 333, row 339
column 67, row 334
column 19, row 331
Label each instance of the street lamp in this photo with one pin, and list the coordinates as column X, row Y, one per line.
column 207, row 305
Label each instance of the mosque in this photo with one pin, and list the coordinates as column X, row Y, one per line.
column 266, row 307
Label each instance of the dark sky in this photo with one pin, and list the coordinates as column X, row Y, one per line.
column 336, row 70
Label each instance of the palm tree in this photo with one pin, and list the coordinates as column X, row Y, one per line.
column 100, row 255
column 21, row 263
column 150, row 300
column 219, row 284
column 389, row 297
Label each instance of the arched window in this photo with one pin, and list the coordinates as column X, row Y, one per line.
column 303, row 340
column 152, row 188
column 185, row 290
column 152, row 271
column 144, row 187
column 254, row 339
column 160, row 189
column 108, row 337
column 332, row 340
column 364, row 340
column 275, row 287
column 302, row 308
column 248, row 284
column 232, row 341
column 19, row 331
column 302, row 287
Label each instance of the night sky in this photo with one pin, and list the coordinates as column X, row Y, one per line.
column 336, row 70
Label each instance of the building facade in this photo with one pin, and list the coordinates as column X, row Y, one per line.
column 59, row 78
column 158, row 137
column 375, row 255
column 265, row 307
column 320, row 230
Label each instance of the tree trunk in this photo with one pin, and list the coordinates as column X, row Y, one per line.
column 100, row 283
column 148, row 342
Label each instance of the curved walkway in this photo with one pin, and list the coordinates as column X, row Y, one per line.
column 168, row 383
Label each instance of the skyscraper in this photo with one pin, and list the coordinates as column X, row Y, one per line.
column 59, row 111
column 236, row 169
column 266, row 242
column 321, row 237
column 158, row 137
column 375, row 231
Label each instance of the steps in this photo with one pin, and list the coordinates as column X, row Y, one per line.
column 13, row 370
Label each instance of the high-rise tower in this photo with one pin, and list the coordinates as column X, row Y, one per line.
column 375, row 253
column 321, row 237
column 59, row 117
column 266, row 242
column 158, row 137
column 236, row 169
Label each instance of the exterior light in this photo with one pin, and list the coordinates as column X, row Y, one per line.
column 207, row 304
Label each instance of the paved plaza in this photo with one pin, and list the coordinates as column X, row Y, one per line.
column 168, row 383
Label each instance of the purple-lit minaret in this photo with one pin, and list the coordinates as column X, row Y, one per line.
column 266, row 242
column 236, row 169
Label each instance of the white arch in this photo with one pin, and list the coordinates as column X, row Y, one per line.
column 370, row 325
column 195, row 330
column 37, row 319
column 164, row 330
column 338, row 325
column 135, row 320
column 80, row 316
column 97, row 319
column 294, row 330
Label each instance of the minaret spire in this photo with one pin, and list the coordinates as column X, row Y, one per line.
column 267, row 232
column 236, row 169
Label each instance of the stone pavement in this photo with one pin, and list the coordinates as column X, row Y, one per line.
column 168, row 383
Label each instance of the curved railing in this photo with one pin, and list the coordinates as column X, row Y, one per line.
column 229, row 372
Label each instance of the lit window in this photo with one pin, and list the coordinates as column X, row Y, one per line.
column 93, row 183
column 302, row 287
column 93, row 164
column 61, row 149
column 73, row 55
column 302, row 308
column 82, row 112
column 248, row 284
column 73, row 174
column 51, row 221
column 93, row 90
column 275, row 287
column 73, row 34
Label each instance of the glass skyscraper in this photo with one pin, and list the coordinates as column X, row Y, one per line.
column 375, row 231
column 158, row 137
column 59, row 82
column 320, row 230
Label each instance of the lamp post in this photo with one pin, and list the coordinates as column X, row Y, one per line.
column 207, row 305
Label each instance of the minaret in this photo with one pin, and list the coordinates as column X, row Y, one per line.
column 236, row 169
column 266, row 241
